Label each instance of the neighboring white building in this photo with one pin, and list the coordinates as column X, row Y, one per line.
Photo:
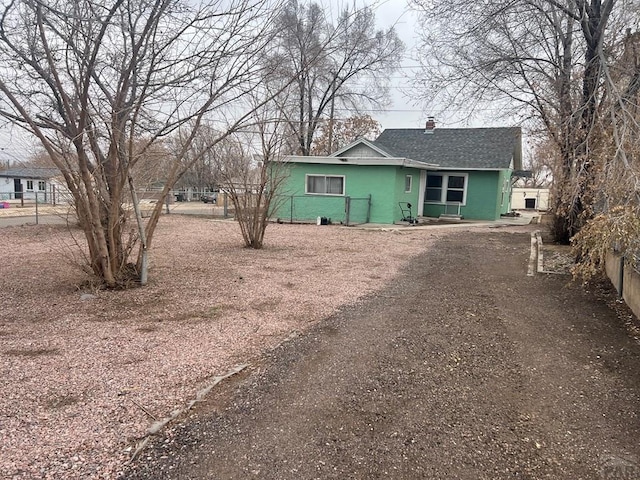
column 46, row 184
column 530, row 198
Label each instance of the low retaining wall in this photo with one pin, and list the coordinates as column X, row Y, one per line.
column 625, row 279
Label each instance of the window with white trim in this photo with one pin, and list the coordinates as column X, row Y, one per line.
column 42, row 185
column 446, row 188
column 408, row 183
column 325, row 184
column 29, row 184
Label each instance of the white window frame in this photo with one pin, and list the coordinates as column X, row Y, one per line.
column 42, row 185
column 306, row 184
column 30, row 185
column 410, row 177
column 445, row 188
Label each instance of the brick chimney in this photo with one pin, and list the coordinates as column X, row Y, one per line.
column 430, row 126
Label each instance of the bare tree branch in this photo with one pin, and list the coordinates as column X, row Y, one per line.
column 101, row 84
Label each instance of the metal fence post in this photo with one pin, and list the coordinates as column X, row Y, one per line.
column 226, row 205
column 368, row 209
column 291, row 210
column 36, row 193
column 347, row 209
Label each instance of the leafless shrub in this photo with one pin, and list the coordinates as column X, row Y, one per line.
column 101, row 84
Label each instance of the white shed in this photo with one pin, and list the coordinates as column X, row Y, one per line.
column 46, row 184
column 529, row 198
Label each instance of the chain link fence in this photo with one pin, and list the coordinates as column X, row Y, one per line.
column 54, row 196
column 20, row 207
column 58, row 207
column 330, row 209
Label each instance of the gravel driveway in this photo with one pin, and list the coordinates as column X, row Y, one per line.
column 463, row 368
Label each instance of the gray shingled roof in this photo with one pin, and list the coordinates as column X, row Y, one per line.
column 456, row 148
column 33, row 172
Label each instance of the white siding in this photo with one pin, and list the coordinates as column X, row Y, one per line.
column 55, row 190
column 6, row 185
column 361, row 151
column 539, row 197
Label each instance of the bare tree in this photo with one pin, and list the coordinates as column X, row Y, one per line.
column 200, row 174
column 100, row 83
column 539, row 59
column 152, row 163
column 616, row 225
column 38, row 159
column 540, row 162
column 250, row 169
column 337, row 133
column 337, row 63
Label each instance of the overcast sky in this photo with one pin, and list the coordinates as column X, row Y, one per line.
column 403, row 112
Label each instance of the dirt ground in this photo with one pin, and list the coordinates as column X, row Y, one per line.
column 461, row 367
column 84, row 373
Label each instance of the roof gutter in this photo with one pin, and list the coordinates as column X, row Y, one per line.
column 471, row 169
column 420, row 165
column 361, row 161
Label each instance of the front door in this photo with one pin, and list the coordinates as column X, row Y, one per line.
column 17, row 188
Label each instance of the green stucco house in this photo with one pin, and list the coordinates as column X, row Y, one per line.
column 463, row 173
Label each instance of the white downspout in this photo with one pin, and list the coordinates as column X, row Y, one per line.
column 423, row 187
